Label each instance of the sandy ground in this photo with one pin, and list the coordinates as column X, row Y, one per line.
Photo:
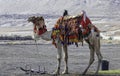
column 13, row 56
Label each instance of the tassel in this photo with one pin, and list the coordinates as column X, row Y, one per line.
column 54, row 43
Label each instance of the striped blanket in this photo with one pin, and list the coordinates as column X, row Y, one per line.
column 67, row 30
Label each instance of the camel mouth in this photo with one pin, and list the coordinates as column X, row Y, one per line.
column 38, row 23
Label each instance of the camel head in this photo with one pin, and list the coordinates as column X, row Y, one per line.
column 39, row 24
column 37, row 21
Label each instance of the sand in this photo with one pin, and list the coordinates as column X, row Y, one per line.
column 14, row 55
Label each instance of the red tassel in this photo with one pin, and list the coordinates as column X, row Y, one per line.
column 54, row 43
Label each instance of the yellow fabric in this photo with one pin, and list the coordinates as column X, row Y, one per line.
column 67, row 34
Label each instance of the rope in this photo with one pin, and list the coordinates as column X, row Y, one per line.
column 37, row 50
column 36, row 46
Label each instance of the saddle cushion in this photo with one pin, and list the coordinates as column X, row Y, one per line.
column 67, row 31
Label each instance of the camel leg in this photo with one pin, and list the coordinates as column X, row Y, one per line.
column 99, row 61
column 99, row 56
column 91, row 58
column 59, row 57
column 65, row 59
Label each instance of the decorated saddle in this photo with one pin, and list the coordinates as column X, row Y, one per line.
column 67, row 30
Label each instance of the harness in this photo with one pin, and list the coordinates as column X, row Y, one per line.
column 40, row 30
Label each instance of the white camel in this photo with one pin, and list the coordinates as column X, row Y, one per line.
column 93, row 42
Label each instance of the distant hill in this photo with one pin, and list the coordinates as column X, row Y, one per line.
column 93, row 7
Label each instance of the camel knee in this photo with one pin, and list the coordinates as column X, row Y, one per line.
column 59, row 57
column 100, row 59
column 59, row 62
column 65, row 58
column 99, row 56
column 91, row 61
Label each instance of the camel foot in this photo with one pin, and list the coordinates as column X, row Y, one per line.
column 57, row 72
column 84, row 73
column 96, row 73
column 65, row 72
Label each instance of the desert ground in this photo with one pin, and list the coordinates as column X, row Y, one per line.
column 15, row 54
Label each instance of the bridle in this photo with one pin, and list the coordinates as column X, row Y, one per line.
column 39, row 24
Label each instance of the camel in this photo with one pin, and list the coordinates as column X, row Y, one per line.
column 93, row 40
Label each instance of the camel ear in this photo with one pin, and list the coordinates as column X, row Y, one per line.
column 31, row 19
column 40, row 18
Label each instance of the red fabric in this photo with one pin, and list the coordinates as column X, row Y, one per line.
column 85, row 31
column 41, row 31
column 85, row 24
